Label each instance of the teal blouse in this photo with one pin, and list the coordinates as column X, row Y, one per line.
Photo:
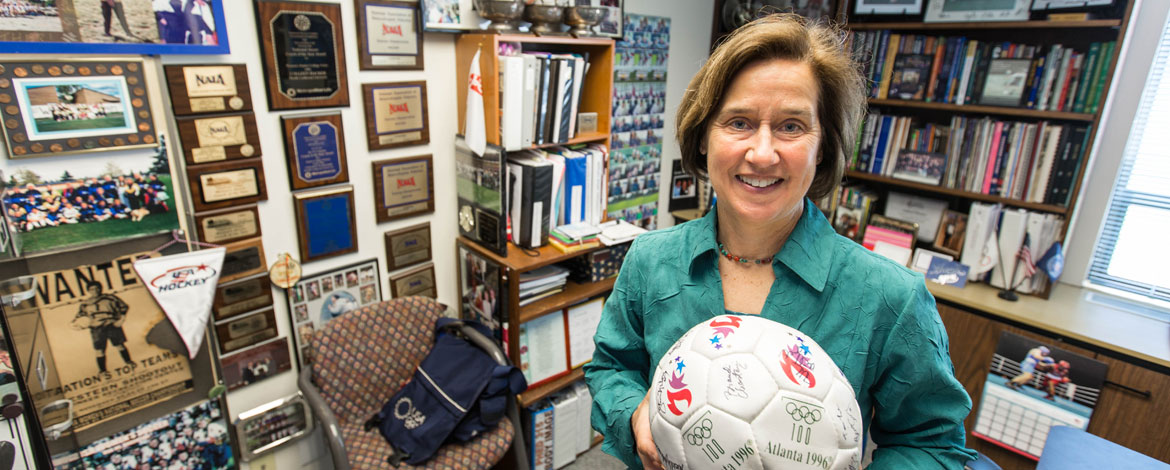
column 876, row 319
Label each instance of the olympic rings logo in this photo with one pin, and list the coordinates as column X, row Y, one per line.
column 699, row 433
column 809, row 414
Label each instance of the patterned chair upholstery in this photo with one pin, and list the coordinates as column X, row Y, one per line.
column 359, row 360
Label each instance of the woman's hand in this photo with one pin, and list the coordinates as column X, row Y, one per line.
column 643, row 440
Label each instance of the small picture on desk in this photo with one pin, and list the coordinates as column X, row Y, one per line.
column 1031, row 387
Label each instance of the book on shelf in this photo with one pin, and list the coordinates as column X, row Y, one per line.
column 541, row 440
column 909, row 76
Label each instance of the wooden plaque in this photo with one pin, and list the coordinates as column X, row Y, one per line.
column 226, row 184
column 408, row 246
column 228, row 225
column 243, row 258
column 209, row 139
column 314, row 146
column 403, row 187
column 209, row 88
column 326, row 223
column 237, row 297
column 389, row 35
column 245, row 331
column 417, row 281
column 303, row 53
column 396, row 114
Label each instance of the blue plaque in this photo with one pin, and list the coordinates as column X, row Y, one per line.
column 326, row 223
column 316, row 156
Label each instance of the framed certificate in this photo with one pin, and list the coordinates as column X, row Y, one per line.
column 976, row 10
column 417, row 281
column 389, row 35
column 218, row 185
column 304, row 58
column 403, row 187
column 242, row 296
column 243, row 258
column 396, row 114
column 315, row 148
column 218, row 138
column 325, row 223
column 214, row 88
column 408, row 246
column 245, row 331
column 228, row 225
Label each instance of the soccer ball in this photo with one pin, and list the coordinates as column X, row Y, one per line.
column 745, row 392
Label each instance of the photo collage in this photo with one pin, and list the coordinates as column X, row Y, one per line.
column 316, row 300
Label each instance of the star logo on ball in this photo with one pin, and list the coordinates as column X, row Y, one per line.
column 681, row 365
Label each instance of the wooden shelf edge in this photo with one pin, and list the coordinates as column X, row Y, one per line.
column 535, row 394
column 915, row 26
column 583, row 138
column 520, row 262
column 597, row 440
column 572, row 294
column 956, row 192
column 970, row 108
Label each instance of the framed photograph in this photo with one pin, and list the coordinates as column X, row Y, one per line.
column 212, row 88
column 134, row 27
column 951, row 230
column 976, row 10
column 888, row 7
column 228, row 225
column 244, row 258
column 226, row 184
column 241, row 332
column 256, row 364
column 403, row 187
column 396, row 114
column 920, row 167
column 303, row 54
column 449, row 16
column 612, row 24
column 238, row 297
column 408, row 246
column 310, row 308
column 480, row 282
column 417, row 281
column 325, row 223
column 76, row 106
column 1005, row 82
column 271, row 425
column 219, row 138
column 389, row 35
column 315, row 149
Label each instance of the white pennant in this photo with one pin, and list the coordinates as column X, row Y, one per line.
column 474, row 132
column 184, row 287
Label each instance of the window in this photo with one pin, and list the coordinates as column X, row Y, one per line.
column 1133, row 250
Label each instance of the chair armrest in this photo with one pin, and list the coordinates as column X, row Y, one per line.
column 325, row 418
column 483, row 342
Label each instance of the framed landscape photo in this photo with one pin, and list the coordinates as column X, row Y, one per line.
column 976, row 10
column 315, row 148
column 116, row 27
column 403, row 187
column 77, row 106
column 304, row 55
column 389, row 35
column 449, row 16
column 1005, row 82
column 920, row 167
column 396, row 114
column 325, row 223
column 888, row 7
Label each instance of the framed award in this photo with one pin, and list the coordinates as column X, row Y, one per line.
column 417, row 281
column 243, row 258
column 303, row 53
column 213, row 88
column 403, row 187
column 239, row 333
column 219, row 185
column 325, row 223
column 396, row 114
column 315, row 148
column 408, row 246
column 242, row 296
column 228, row 225
column 389, row 35
column 256, row 364
column 218, row 138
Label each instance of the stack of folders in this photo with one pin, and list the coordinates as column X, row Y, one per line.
column 574, row 237
column 553, row 187
column 539, row 96
column 540, row 283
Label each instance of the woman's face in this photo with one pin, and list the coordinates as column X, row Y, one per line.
column 761, row 143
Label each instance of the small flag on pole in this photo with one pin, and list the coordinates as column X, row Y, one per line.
column 1052, row 262
column 474, row 127
column 1025, row 255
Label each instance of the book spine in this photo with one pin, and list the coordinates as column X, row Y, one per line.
column 1087, row 77
column 1037, row 80
column 1067, row 65
column 965, row 76
column 936, row 67
column 879, row 64
column 888, row 67
column 1053, row 63
column 984, row 55
column 1105, row 70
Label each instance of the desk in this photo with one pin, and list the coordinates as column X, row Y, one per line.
column 1072, row 449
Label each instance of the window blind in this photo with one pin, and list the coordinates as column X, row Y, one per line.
column 1133, row 250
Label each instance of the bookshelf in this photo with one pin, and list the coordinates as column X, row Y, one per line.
column 978, row 109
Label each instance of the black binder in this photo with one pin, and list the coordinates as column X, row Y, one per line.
column 531, row 201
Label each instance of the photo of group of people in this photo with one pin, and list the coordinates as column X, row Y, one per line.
column 920, row 167
column 256, row 364
column 109, row 21
column 479, row 289
column 316, row 300
column 1030, row 388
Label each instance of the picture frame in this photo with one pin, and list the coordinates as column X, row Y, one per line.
column 403, row 187
column 228, row 225
column 951, row 231
column 77, row 28
column 243, row 259
column 408, row 246
column 396, row 114
column 482, row 287
column 938, row 11
column 256, row 364
column 1005, row 82
column 612, row 25
column 449, row 16
column 379, row 21
column 271, row 425
column 302, row 77
column 314, row 147
column 417, row 281
column 208, row 88
column 246, row 330
column 218, row 138
column 242, row 296
column 920, row 167
column 57, row 107
column 310, row 307
column 326, row 223
column 923, row 257
column 888, row 7
column 226, row 184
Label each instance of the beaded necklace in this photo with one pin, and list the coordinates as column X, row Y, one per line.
column 731, row 257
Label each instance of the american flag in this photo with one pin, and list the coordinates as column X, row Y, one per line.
column 1025, row 255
